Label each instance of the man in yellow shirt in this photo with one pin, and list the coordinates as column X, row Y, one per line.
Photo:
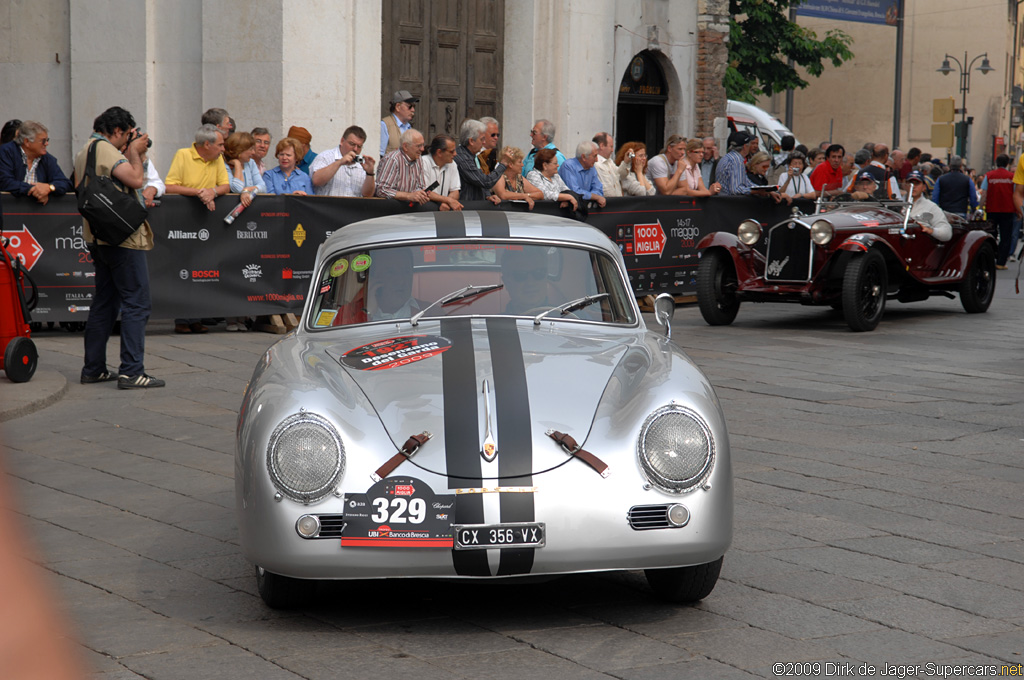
column 198, row 170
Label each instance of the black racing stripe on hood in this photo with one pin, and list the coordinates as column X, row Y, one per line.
column 462, row 445
column 450, row 224
column 515, row 436
column 494, row 224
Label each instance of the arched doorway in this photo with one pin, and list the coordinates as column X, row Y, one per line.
column 641, row 109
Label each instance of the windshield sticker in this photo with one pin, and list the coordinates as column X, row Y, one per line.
column 395, row 352
column 339, row 267
column 326, row 317
column 360, row 263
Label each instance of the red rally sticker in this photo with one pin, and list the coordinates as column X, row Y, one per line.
column 395, row 352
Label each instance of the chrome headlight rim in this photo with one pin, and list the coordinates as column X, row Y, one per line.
column 654, row 476
column 282, row 485
column 822, row 232
column 749, row 232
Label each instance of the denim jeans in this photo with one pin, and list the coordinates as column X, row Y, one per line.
column 122, row 285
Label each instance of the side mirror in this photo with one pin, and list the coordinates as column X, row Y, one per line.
column 664, row 310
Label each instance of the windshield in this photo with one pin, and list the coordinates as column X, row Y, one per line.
column 507, row 279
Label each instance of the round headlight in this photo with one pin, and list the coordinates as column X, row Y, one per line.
column 305, row 457
column 749, row 232
column 676, row 450
column 822, row 232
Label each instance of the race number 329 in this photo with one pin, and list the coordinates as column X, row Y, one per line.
column 399, row 510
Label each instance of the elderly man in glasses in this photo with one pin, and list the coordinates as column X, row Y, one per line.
column 542, row 136
column 26, row 169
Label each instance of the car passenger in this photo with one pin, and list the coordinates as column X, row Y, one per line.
column 931, row 216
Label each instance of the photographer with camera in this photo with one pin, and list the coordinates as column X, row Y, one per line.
column 343, row 170
column 122, row 274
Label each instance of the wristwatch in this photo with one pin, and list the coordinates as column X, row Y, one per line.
column 52, row 188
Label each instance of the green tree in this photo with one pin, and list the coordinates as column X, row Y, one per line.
column 762, row 39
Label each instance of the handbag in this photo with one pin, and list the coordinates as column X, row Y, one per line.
column 113, row 215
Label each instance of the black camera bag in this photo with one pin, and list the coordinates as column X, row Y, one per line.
column 113, row 215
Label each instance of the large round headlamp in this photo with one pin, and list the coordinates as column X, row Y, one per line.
column 749, row 232
column 822, row 232
column 305, row 457
column 676, row 450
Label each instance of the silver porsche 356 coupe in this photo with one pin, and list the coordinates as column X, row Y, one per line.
column 475, row 395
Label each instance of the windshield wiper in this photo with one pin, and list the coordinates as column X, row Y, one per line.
column 571, row 306
column 455, row 296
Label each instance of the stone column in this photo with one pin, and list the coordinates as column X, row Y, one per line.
column 712, row 59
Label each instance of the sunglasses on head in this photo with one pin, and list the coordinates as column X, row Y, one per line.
column 535, row 274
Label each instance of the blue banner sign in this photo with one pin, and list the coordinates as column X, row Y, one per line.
column 865, row 11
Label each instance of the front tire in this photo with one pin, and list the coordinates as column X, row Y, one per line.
column 683, row 585
column 716, row 288
column 979, row 284
column 282, row 592
column 865, row 284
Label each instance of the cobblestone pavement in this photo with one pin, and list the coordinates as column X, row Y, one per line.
column 880, row 520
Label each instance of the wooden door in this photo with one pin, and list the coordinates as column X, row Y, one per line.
column 449, row 54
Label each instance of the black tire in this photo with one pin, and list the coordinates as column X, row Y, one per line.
column 684, row 584
column 20, row 359
column 979, row 284
column 865, row 284
column 282, row 592
column 716, row 288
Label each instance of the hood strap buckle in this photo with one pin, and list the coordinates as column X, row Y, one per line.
column 409, row 448
column 570, row 446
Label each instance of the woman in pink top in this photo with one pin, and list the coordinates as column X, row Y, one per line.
column 692, row 181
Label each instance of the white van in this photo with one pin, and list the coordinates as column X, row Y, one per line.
column 759, row 122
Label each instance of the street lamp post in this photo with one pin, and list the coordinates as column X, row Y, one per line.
column 965, row 87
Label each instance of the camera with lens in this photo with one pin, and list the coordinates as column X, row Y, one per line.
column 358, row 160
column 138, row 133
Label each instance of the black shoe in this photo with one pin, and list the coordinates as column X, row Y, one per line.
column 105, row 376
column 136, row 382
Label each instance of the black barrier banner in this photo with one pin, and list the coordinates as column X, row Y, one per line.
column 263, row 262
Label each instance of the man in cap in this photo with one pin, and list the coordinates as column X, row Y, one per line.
column 931, row 217
column 302, row 136
column 402, row 109
column 732, row 173
column 954, row 190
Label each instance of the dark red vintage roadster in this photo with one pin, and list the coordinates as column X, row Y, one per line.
column 852, row 256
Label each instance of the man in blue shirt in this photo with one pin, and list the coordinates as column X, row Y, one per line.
column 580, row 175
column 542, row 136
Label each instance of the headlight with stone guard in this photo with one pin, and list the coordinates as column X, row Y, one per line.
column 675, row 449
column 305, row 457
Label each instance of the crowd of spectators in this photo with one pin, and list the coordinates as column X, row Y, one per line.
column 472, row 167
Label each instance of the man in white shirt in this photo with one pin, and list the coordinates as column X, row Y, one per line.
column 607, row 171
column 342, row 170
column 438, row 166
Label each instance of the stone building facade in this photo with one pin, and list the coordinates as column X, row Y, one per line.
column 318, row 64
